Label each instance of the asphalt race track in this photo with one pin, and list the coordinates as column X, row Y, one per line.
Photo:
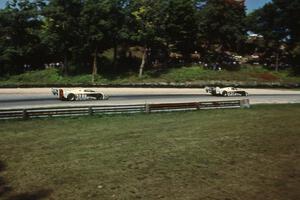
column 119, row 96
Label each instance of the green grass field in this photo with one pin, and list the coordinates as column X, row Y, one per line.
column 193, row 74
column 215, row 154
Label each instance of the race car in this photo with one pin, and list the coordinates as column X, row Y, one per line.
column 226, row 91
column 78, row 94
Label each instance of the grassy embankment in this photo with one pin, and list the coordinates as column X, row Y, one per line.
column 194, row 75
column 218, row 154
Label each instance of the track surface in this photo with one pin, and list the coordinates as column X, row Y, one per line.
column 25, row 98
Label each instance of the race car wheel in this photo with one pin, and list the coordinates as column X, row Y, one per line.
column 71, row 97
column 225, row 94
column 99, row 97
column 244, row 94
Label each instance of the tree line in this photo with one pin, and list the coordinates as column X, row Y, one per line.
column 76, row 33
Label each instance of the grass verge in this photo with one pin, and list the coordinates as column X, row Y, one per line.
column 251, row 75
column 217, row 154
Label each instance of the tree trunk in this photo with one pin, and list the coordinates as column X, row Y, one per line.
column 95, row 69
column 277, row 62
column 115, row 55
column 65, row 65
column 142, row 66
column 167, row 60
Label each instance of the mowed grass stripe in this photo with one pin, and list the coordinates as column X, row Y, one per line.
column 213, row 154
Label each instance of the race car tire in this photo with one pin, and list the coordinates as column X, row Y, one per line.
column 225, row 94
column 71, row 97
column 244, row 94
column 99, row 97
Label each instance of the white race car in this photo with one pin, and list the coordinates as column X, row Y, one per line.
column 227, row 91
column 78, row 94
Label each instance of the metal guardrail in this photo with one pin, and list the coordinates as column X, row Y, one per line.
column 117, row 109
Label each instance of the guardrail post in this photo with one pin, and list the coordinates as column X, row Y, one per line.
column 91, row 112
column 147, row 108
column 25, row 114
column 245, row 103
column 198, row 106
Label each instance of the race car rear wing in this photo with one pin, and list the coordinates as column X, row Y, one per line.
column 58, row 92
column 54, row 91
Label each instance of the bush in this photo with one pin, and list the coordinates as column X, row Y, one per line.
column 50, row 75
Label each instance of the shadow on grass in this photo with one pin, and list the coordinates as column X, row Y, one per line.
column 40, row 194
column 5, row 190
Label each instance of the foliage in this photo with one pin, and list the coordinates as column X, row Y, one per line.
column 76, row 33
column 181, row 26
column 62, row 31
column 221, row 23
column 49, row 76
column 19, row 36
column 278, row 23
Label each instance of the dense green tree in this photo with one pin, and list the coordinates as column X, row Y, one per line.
column 288, row 16
column 221, row 24
column 147, row 17
column 77, row 32
column 93, row 18
column 118, row 31
column 20, row 23
column 265, row 22
column 103, row 23
column 62, row 31
column 278, row 22
column 181, row 25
